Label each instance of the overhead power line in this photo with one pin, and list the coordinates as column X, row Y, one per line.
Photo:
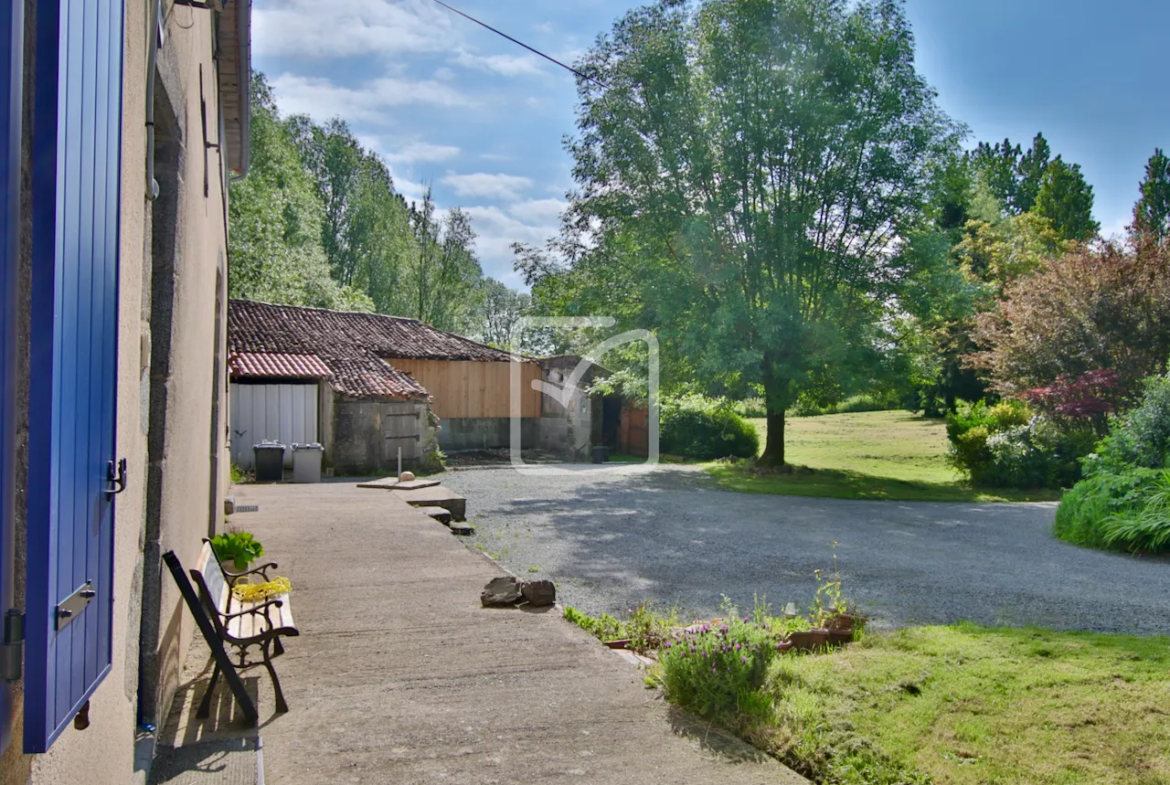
column 521, row 43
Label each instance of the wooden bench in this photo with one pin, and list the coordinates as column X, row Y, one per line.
column 225, row 620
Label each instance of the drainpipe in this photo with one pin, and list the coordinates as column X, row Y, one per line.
column 244, row 42
column 154, row 14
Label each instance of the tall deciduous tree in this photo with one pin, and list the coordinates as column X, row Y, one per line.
column 366, row 230
column 1093, row 309
column 501, row 311
column 1151, row 215
column 275, row 251
column 1012, row 174
column 1066, row 200
column 755, row 162
column 1000, row 165
column 442, row 280
column 1031, row 169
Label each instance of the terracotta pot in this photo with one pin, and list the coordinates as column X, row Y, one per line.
column 809, row 640
column 622, row 644
column 840, row 637
column 844, row 622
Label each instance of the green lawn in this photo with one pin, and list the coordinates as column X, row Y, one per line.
column 891, row 455
column 969, row 705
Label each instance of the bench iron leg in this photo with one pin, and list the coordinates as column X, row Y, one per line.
column 281, row 706
column 277, row 647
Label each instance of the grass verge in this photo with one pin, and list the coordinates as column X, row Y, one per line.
column 891, row 455
column 968, row 704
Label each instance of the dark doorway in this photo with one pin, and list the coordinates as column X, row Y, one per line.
column 611, row 421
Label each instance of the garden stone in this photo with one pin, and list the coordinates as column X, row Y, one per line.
column 501, row 592
column 540, row 593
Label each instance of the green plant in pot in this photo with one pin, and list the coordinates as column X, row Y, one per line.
column 237, row 549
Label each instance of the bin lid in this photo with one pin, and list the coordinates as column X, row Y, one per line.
column 268, row 445
column 313, row 446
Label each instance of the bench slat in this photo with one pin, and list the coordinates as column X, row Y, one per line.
column 251, row 625
column 213, row 579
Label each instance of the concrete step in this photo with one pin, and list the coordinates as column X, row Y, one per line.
column 436, row 496
column 394, row 484
column 440, row 514
column 462, row 528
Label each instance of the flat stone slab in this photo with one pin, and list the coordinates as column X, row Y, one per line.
column 440, row 514
column 461, row 528
column 436, row 496
column 394, row 484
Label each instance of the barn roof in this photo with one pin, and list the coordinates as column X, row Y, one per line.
column 357, row 348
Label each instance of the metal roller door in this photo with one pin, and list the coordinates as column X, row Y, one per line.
column 286, row 413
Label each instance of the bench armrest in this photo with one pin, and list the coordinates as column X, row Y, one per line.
column 261, row 570
column 254, row 609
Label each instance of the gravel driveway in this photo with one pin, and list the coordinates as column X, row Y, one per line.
column 672, row 537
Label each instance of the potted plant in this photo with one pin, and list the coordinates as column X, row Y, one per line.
column 844, row 623
column 809, row 640
column 799, row 634
column 237, row 549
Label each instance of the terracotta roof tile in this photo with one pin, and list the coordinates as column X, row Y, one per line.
column 301, row 366
column 358, row 348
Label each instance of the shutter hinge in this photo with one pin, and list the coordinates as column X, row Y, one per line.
column 12, row 649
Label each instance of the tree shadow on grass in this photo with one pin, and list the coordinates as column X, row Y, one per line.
column 844, row 484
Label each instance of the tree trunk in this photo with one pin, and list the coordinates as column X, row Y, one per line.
column 774, row 449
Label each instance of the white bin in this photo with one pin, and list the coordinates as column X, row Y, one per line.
column 306, row 461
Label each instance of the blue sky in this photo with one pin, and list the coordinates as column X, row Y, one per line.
column 482, row 121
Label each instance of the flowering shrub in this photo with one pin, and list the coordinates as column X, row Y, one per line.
column 1091, row 396
column 715, row 669
column 1007, row 446
column 1124, row 500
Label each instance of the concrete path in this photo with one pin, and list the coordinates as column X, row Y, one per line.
column 400, row 676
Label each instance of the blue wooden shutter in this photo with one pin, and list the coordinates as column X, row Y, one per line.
column 76, row 167
column 11, row 73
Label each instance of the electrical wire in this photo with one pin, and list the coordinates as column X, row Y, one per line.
column 521, row 43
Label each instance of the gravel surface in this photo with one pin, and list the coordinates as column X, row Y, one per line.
column 672, row 537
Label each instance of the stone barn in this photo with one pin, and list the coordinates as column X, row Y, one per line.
column 366, row 385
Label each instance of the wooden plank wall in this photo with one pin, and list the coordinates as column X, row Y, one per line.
column 634, row 431
column 473, row 389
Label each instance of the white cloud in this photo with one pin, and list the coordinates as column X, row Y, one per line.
column 322, row 99
column 544, row 27
column 1118, row 228
column 496, row 230
column 444, row 74
column 495, row 157
column 539, row 211
column 411, row 190
column 423, row 152
column 504, row 64
column 348, row 28
column 496, row 186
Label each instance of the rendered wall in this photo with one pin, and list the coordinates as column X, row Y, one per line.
column 194, row 448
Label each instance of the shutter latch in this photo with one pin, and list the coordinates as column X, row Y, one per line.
column 12, row 648
column 72, row 607
column 116, row 476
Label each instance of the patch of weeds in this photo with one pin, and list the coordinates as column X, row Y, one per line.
column 604, row 627
column 534, row 568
